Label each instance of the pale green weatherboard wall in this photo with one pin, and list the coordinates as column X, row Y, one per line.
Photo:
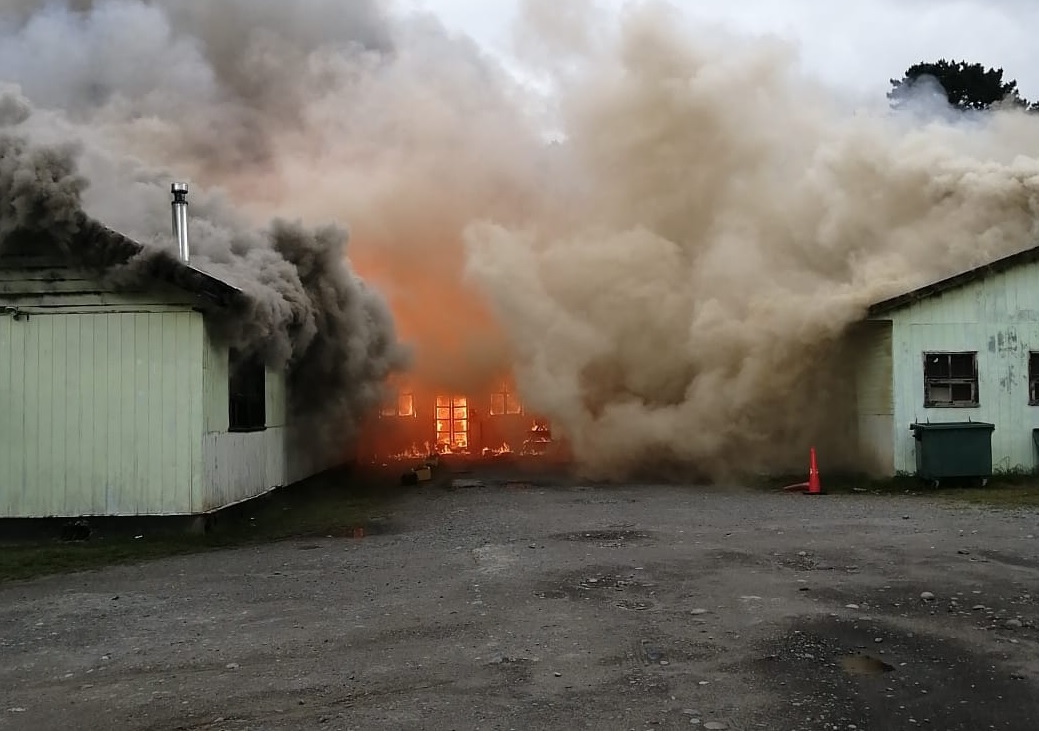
column 100, row 400
column 237, row 466
column 999, row 318
column 118, row 405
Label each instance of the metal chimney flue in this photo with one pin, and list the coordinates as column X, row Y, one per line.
column 180, row 220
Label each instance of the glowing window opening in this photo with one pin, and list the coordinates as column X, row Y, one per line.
column 504, row 401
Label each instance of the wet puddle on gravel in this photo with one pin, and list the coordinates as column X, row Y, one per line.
column 864, row 665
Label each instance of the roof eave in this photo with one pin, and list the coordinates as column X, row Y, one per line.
column 893, row 304
column 164, row 266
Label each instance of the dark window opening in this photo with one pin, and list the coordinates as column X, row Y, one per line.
column 950, row 380
column 1033, row 379
column 247, row 382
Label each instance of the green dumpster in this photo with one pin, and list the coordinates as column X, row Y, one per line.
column 958, row 449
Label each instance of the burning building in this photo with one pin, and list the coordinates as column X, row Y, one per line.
column 417, row 421
column 668, row 279
column 132, row 379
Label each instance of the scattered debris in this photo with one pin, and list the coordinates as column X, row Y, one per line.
column 619, row 535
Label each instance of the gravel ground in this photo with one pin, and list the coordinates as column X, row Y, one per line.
column 549, row 605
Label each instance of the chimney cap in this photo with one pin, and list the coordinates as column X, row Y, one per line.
column 179, row 188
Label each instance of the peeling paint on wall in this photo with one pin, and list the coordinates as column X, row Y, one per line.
column 972, row 320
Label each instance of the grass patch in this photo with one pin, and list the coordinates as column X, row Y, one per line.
column 328, row 505
column 22, row 562
column 998, row 495
column 1014, row 489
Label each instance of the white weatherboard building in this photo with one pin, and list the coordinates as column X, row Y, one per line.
column 962, row 349
column 117, row 402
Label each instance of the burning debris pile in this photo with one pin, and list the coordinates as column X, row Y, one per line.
column 668, row 279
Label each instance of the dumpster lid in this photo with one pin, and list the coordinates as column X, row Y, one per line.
column 951, row 425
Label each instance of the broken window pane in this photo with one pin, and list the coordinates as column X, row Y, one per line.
column 497, row 404
column 961, row 365
column 950, row 379
column 940, row 393
column 936, row 365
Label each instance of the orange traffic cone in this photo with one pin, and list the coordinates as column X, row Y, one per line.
column 814, row 485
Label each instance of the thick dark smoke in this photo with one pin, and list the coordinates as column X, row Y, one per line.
column 320, row 110
column 213, row 81
column 304, row 308
column 40, row 187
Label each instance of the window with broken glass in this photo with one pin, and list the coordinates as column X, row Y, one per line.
column 951, row 380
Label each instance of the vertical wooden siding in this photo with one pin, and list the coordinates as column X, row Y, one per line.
column 100, row 413
column 239, row 465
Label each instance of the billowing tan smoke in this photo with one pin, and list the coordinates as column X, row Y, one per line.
column 669, row 280
column 732, row 220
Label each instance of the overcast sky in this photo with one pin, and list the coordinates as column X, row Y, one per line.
column 858, row 44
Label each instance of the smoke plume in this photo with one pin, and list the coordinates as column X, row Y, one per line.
column 69, row 163
column 669, row 277
column 733, row 218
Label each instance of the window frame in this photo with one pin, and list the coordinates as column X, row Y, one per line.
column 392, row 407
column 950, row 380
column 1033, row 378
column 506, row 393
column 246, row 392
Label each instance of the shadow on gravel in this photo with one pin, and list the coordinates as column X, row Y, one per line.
column 867, row 675
column 346, row 503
